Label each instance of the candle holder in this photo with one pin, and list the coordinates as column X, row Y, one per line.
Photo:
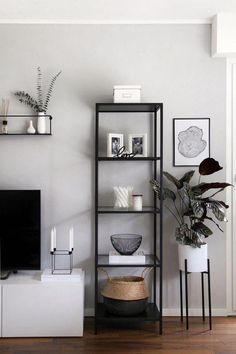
column 63, row 271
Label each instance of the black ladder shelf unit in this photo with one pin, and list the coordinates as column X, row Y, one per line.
column 153, row 313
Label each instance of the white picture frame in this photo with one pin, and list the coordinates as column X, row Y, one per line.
column 138, row 143
column 114, row 142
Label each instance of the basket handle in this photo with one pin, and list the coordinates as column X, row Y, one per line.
column 146, row 271
column 104, row 271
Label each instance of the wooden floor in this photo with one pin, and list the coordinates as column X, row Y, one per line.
column 175, row 339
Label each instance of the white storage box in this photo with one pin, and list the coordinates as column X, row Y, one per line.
column 136, row 258
column 127, row 94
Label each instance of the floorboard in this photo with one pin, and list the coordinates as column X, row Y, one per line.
column 144, row 340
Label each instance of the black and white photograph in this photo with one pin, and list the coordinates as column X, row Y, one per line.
column 138, row 144
column 191, row 141
column 114, row 143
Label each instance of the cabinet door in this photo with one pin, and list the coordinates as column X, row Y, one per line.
column 41, row 310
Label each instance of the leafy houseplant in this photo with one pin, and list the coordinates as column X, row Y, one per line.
column 39, row 105
column 190, row 207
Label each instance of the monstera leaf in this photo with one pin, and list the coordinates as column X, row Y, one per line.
column 204, row 187
column 217, row 209
column 179, row 183
column 201, row 228
column 209, row 166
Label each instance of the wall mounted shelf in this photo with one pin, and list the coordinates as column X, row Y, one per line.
column 28, row 117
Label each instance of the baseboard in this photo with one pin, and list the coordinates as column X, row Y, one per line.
column 89, row 312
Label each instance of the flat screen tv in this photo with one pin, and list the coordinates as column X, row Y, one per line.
column 20, row 229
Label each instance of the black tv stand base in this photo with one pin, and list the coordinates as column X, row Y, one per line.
column 5, row 274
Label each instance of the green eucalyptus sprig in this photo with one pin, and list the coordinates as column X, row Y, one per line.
column 39, row 105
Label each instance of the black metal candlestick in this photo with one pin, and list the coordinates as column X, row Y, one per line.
column 56, row 253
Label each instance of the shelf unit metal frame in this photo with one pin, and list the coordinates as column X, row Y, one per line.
column 152, row 313
column 48, row 116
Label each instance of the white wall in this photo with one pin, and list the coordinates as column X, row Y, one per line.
column 112, row 10
column 174, row 66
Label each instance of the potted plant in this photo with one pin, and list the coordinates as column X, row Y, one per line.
column 40, row 105
column 191, row 208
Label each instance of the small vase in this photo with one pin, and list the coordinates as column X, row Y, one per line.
column 196, row 258
column 31, row 129
column 41, row 124
column 122, row 197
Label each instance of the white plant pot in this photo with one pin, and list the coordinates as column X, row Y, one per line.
column 196, row 258
column 41, row 124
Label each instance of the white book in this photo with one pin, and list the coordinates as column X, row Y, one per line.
column 136, row 258
column 75, row 276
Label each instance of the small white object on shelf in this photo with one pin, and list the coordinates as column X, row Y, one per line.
column 138, row 202
column 31, row 129
column 127, row 94
column 75, row 276
column 122, row 197
column 136, row 258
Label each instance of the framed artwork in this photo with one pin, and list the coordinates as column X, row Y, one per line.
column 138, row 144
column 114, row 143
column 191, row 141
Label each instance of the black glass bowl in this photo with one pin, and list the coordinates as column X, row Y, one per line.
column 126, row 244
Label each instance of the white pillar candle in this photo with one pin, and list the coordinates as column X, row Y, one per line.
column 52, row 241
column 71, row 239
column 55, row 238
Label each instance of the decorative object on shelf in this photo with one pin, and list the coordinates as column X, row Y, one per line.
column 4, row 113
column 122, row 197
column 126, row 244
column 41, row 123
column 136, row 258
column 127, row 93
column 191, row 141
column 190, row 208
column 122, row 153
column 138, row 144
column 137, row 202
column 56, row 253
column 114, row 143
column 41, row 104
column 31, row 129
column 127, row 295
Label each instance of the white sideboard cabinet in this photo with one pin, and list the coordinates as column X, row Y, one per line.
column 32, row 308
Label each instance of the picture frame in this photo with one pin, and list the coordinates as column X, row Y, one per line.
column 114, row 142
column 138, row 144
column 191, row 141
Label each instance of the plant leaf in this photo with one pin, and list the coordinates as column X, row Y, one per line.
column 204, row 187
column 217, row 209
column 187, row 177
column 201, row 228
column 209, row 166
column 172, row 179
column 199, row 209
column 167, row 193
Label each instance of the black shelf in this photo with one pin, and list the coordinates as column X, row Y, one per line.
column 128, row 107
column 150, row 314
column 25, row 134
column 48, row 116
column 111, row 210
column 151, row 261
column 154, row 260
column 119, row 159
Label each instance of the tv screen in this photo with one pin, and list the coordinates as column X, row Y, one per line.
column 20, row 229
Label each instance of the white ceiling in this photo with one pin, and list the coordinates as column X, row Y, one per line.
column 114, row 10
